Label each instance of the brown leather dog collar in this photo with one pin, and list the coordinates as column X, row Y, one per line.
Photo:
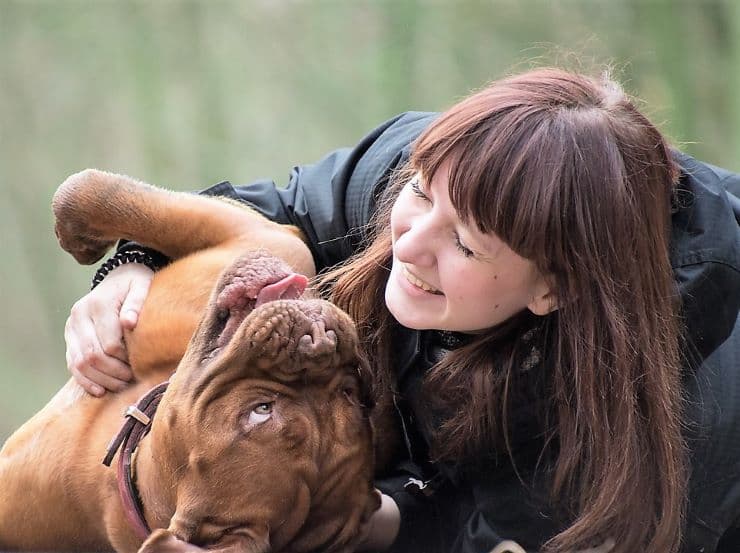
column 137, row 423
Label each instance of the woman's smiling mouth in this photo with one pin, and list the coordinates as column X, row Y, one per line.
column 413, row 279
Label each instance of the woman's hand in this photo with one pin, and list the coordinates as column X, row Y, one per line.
column 383, row 526
column 96, row 353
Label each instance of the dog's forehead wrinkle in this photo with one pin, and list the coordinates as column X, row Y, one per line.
column 197, row 461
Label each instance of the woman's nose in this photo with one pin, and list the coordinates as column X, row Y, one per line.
column 416, row 244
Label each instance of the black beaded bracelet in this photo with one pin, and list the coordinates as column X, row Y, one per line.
column 149, row 258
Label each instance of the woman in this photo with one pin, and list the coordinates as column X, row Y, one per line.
column 517, row 289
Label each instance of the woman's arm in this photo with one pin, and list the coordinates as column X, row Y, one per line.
column 383, row 526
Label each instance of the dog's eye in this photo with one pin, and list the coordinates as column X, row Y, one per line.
column 263, row 408
column 261, row 413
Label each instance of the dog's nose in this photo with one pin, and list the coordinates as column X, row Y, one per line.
column 289, row 338
column 318, row 342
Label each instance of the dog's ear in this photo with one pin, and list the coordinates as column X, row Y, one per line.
column 164, row 541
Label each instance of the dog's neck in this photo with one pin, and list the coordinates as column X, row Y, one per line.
column 155, row 480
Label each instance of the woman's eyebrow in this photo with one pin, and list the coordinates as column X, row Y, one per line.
column 419, row 180
column 487, row 247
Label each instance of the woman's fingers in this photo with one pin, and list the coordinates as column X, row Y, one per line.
column 141, row 279
column 89, row 362
column 96, row 353
column 103, row 335
column 101, row 378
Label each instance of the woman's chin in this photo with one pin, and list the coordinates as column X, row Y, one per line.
column 405, row 310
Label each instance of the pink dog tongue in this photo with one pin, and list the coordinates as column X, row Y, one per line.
column 289, row 288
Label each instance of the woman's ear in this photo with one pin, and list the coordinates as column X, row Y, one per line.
column 544, row 300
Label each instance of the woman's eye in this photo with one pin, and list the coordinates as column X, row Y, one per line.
column 467, row 252
column 260, row 413
column 415, row 185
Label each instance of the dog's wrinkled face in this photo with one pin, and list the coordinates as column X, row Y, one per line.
column 269, row 406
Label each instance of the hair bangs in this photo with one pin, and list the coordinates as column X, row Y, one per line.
column 502, row 165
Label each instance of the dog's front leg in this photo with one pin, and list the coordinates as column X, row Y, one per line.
column 94, row 208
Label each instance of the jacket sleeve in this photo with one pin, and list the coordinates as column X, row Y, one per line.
column 332, row 200
column 503, row 507
column 417, row 512
column 475, row 511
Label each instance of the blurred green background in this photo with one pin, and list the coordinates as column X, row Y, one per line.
column 185, row 94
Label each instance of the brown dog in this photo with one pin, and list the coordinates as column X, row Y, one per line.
column 261, row 441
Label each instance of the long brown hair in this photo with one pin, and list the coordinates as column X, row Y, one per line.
column 565, row 170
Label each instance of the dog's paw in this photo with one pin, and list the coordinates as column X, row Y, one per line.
column 79, row 206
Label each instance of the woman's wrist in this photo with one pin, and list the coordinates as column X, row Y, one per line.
column 383, row 526
column 132, row 253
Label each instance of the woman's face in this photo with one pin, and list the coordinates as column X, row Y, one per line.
column 450, row 276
